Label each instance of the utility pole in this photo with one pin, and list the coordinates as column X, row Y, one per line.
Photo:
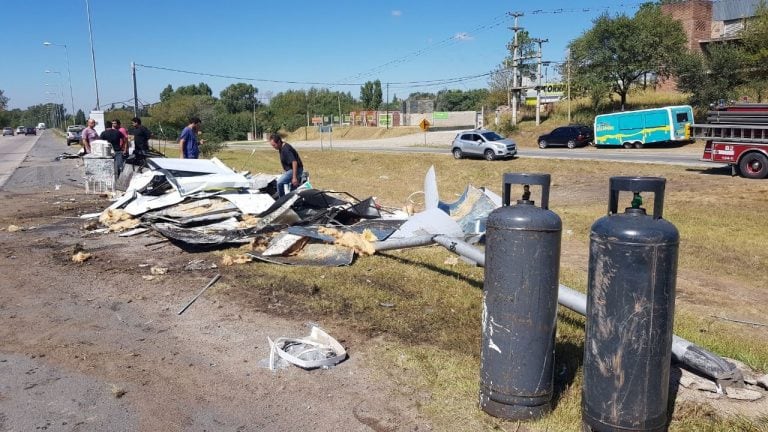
column 135, row 92
column 93, row 54
column 387, row 105
column 538, row 80
column 515, row 59
column 568, row 80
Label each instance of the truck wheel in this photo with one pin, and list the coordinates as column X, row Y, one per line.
column 754, row 165
column 627, row 145
column 638, row 145
column 489, row 155
column 571, row 144
column 457, row 154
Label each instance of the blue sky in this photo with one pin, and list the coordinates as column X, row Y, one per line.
column 281, row 45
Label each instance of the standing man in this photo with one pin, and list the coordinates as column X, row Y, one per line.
column 291, row 162
column 114, row 137
column 188, row 145
column 88, row 135
column 141, row 137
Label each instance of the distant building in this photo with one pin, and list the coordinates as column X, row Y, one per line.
column 707, row 21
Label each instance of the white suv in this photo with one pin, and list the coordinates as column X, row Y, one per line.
column 482, row 143
column 73, row 134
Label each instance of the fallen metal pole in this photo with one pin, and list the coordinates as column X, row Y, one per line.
column 210, row 284
column 685, row 352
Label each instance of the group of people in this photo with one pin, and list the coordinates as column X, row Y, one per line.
column 189, row 147
column 293, row 168
column 118, row 137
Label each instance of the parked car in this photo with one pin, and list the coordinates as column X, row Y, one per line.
column 482, row 143
column 8, row 131
column 73, row 134
column 20, row 130
column 30, row 131
column 570, row 136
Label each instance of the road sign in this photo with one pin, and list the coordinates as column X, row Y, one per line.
column 424, row 124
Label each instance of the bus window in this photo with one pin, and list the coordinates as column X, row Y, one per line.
column 682, row 117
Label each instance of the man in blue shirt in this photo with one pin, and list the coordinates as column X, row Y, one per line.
column 188, row 144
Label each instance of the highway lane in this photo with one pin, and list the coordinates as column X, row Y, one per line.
column 13, row 151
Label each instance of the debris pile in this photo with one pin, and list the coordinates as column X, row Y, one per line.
column 204, row 204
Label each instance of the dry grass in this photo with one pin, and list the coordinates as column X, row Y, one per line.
column 426, row 312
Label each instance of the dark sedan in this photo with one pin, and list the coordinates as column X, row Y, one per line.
column 570, row 136
column 30, row 131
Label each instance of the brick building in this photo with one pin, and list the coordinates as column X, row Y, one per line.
column 707, row 21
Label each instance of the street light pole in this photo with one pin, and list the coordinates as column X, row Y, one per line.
column 69, row 75
column 93, row 54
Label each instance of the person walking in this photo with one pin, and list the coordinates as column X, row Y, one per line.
column 88, row 135
column 112, row 135
column 141, row 136
column 291, row 163
column 188, row 144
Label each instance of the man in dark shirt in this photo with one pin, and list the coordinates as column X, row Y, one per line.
column 291, row 163
column 116, row 138
column 141, row 137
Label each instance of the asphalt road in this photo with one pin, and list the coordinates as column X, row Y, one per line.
column 13, row 150
column 439, row 143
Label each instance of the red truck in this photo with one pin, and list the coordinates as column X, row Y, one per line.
column 737, row 135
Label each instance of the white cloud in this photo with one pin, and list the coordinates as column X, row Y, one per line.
column 462, row 36
column 397, row 13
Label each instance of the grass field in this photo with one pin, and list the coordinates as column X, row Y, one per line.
column 429, row 342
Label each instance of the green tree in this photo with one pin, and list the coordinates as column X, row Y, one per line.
column 239, row 97
column 755, row 37
column 166, row 93
column 371, row 95
column 620, row 51
column 80, row 117
column 174, row 113
column 3, row 101
column 287, row 110
column 460, row 100
column 712, row 76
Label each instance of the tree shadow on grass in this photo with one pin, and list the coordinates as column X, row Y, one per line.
column 443, row 271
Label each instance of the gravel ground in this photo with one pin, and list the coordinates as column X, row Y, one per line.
column 99, row 345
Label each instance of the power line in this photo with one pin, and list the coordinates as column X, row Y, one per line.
column 424, row 82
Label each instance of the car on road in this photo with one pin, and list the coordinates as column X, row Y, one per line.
column 482, row 143
column 571, row 136
column 73, row 134
column 20, row 130
column 30, row 131
column 8, row 131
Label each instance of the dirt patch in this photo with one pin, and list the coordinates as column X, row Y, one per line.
column 106, row 330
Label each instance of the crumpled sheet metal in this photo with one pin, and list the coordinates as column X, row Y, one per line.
column 432, row 221
column 317, row 350
column 205, row 236
column 312, row 254
column 471, row 210
column 189, row 167
column 249, row 203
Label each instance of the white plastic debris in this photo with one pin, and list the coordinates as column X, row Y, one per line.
column 317, row 350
